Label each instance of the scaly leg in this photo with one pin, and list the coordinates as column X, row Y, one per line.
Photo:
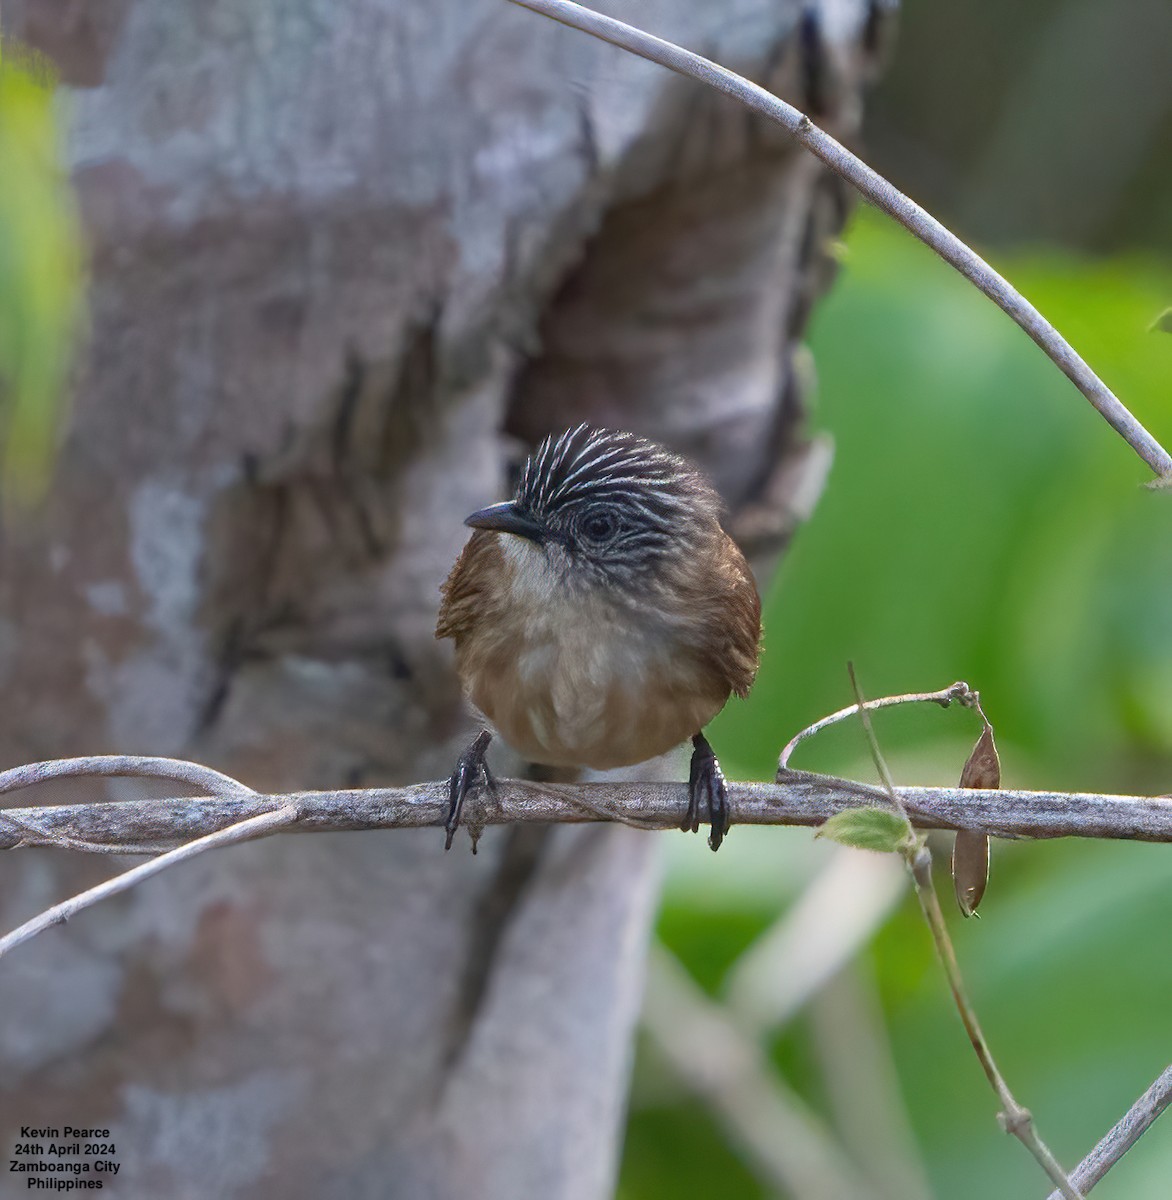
column 706, row 782
column 470, row 774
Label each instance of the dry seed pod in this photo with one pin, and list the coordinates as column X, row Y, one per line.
column 970, row 868
column 983, row 769
column 970, row 852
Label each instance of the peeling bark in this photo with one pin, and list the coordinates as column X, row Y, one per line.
column 336, row 251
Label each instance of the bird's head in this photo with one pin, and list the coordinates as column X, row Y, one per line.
column 607, row 509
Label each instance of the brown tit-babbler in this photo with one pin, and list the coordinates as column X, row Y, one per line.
column 602, row 616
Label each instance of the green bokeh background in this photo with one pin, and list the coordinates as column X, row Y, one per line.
column 981, row 522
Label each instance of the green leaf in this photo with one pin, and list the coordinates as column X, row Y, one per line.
column 868, row 829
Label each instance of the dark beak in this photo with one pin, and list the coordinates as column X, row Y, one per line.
column 507, row 518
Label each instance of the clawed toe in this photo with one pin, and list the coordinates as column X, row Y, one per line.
column 706, row 784
column 470, row 774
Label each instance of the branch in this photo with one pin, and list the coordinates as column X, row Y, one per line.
column 883, row 195
column 801, row 798
column 1130, row 1128
column 238, row 814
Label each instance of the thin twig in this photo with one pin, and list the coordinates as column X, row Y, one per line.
column 1129, row 1129
column 213, row 783
column 883, row 195
column 258, row 826
column 959, row 691
column 862, row 707
column 1014, row 1118
column 801, row 798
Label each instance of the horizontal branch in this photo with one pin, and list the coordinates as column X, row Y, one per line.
column 801, row 798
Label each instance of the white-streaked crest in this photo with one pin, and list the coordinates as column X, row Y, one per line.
column 589, row 463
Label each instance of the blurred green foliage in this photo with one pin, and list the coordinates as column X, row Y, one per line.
column 981, row 522
column 40, row 274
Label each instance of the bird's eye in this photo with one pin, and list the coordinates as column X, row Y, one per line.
column 599, row 526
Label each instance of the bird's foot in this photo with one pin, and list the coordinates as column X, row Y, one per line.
column 706, row 785
column 470, row 775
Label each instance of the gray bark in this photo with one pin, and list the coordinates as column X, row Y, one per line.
column 337, row 250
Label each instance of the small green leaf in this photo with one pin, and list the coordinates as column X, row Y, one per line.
column 868, row 829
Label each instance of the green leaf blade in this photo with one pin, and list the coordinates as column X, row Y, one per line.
column 868, row 829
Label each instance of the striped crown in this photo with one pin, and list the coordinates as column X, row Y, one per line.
column 587, row 464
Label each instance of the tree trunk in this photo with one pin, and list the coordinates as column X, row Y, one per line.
column 348, row 262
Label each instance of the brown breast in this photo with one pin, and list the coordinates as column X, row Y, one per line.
column 583, row 681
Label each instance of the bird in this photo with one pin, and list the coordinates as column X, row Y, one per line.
column 602, row 616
